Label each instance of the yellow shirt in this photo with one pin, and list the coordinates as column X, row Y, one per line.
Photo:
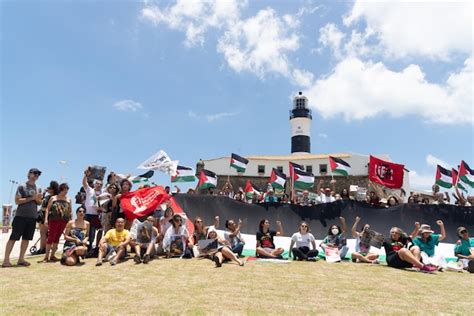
column 114, row 238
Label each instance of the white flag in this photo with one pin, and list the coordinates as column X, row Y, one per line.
column 160, row 161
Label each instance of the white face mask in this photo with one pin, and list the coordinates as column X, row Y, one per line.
column 335, row 231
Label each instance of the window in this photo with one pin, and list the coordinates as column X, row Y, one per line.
column 261, row 169
column 323, row 168
column 309, row 169
column 280, row 168
column 300, row 104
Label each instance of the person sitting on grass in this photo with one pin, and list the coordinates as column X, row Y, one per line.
column 427, row 241
column 76, row 235
column 144, row 240
column 114, row 243
column 233, row 236
column 265, row 246
column 223, row 250
column 201, row 230
column 302, row 240
column 463, row 249
column 176, row 241
column 399, row 251
column 362, row 253
column 336, row 238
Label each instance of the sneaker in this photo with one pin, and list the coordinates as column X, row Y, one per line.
column 110, row 255
column 376, row 261
column 427, row 269
column 146, row 259
column 113, row 262
column 98, row 263
column 137, row 259
column 312, row 259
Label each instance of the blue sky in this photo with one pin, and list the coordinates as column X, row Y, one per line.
column 110, row 83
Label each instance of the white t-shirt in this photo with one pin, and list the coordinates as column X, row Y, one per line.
column 302, row 240
column 323, row 198
column 91, row 200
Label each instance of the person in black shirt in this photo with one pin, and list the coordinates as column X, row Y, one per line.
column 265, row 246
column 399, row 251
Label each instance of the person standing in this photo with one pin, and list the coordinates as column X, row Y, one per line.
column 92, row 209
column 58, row 214
column 28, row 197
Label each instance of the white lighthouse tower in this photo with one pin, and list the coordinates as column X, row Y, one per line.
column 300, row 120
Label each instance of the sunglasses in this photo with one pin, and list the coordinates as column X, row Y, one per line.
column 198, row 222
column 304, row 226
column 463, row 232
column 178, row 220
column 36, row 174
column 81, row 212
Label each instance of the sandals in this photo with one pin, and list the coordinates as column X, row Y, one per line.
column 23, row 264
column 54, row 259
column 7, row 265
column 137, row 259
column 146, row 259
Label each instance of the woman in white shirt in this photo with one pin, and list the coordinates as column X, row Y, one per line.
column 301, row 242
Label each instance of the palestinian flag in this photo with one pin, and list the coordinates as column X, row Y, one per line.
column 303, row 180
column 136, row 179
column 250, row 189
column 444, row 177
column 238, row 163
column 207, row 179
column 278, row 179
column 456, row 183
column 339, row 166
column 466, row 174
column 294, row 166
column 184, row 174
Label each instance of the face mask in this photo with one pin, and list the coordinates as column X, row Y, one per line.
column 334, row 231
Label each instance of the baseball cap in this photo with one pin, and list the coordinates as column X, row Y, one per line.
column 35, row 170
column 425, row 229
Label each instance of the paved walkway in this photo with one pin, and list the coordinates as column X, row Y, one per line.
column 16, row 249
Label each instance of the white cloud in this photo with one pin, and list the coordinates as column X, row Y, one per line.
column 330, row 36
column 359, row 90
column 195, row 17
column 260, row 44
column 128, row 105
column 421, row 181
column 435, row 29
column 424, row 181
column 433, row 162
column 211, row 117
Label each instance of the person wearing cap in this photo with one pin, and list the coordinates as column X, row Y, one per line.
column 27, row 197
column 426, row 241
column 463, row 249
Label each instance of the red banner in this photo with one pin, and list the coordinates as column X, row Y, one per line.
column 386, row 173
column 142, row 202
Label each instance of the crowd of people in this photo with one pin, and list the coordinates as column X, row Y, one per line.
column 329, row 194
column 101, row 229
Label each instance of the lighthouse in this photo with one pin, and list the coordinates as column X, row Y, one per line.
column 300, row 120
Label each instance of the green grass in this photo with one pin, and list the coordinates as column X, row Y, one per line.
column 174, row 286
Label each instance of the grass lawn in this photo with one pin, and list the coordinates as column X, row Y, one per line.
column 175, row 286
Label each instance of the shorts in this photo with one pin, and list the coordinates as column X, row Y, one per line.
column 55, row 230
column 23, row 227
column 111, row 248
column 394, row 261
